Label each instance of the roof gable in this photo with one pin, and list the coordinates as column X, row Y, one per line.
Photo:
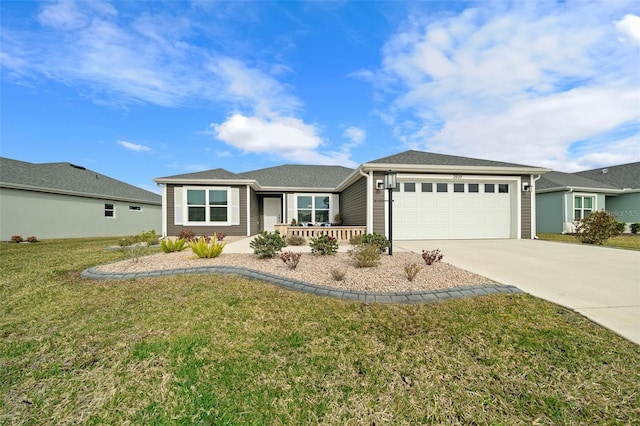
column 300, row 176
column 215, row 174
column 413, row 157
column 67, row 178
column 623, row 176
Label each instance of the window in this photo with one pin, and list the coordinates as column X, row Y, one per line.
column 474, row 187
column 503, row 188
column 441, row 187
column 427, row 187
column 489, row 187
column 409, row 187
column 313, row 208
column 135, row 208
column 215, row 199
column 109, row 210
column 582, row 206
column 458, row 187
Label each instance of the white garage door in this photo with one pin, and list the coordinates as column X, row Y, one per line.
column 453, row 210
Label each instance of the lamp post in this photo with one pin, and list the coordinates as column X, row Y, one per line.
column 390, row 182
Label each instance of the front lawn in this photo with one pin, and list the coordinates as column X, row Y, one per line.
column 627, row 241
column 226, row 350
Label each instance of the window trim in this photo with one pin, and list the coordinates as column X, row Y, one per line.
column 313, row 206
column 582, row 209
column 112, row 210
column 206, row 205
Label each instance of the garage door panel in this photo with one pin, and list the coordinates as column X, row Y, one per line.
column 453, row 215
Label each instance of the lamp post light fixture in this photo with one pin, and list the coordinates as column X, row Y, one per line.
column 390, row 183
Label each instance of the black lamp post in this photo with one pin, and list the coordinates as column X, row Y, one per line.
column 390, row 182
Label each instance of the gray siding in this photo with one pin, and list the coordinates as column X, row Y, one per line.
column 353, row 204
column 550, row 212
column 379, row 206
column 234, row 230
column 47, row 215
column 254, row 213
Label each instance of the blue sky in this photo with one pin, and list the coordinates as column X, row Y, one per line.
column 142, row 89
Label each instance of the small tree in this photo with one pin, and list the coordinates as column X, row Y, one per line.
column 597, row 228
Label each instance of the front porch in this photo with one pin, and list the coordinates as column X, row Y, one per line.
column 341, row 233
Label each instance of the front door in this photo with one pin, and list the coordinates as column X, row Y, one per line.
column 272, row 212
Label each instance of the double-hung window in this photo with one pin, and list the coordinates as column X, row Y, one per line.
column 208, row 205
column 313, row 208
column 582, row 206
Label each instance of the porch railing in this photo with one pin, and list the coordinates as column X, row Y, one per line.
column 342, row 233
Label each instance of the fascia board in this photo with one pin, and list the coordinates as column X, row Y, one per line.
column 295, row 189
column 579, row 189
column 354, row 176
column 430, row 168
column 78, row 194
column 226, row 182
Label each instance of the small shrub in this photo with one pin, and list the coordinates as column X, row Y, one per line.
column 621, row 227
column 411, row 270
column 635, row 227
column 32, row 239
column 187, row 234
column 267, row 244
column 127, row 241
column 294, row 222
column 337, row 274
column 432, row 256
column 296, row 240
column 355, row 240
column 378, row 239
column 149, row 237
column 324, row 245
column 205, row 250
column 290, row 259
column 169, row 245
column 17, row 238
column 597, row 228
column 365, row 255
column 220, row 236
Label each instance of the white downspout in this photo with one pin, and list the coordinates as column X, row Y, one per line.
column 534, row 212
column 164, row 209
column 564, row 219
column 369, row 177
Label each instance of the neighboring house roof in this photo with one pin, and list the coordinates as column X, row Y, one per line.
column 559, row 181
column 67, row 178
column 297, row 176
column 623, row 176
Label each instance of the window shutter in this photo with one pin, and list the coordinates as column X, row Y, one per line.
column 178, row 194
column 334, row 206
column 235, row 206
column 291, row 208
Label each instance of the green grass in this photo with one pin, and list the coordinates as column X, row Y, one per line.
column 226, row 350
column 627, row 242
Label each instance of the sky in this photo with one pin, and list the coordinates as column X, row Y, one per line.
column 138, row 90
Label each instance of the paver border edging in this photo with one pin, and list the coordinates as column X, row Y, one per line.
column 411, row 297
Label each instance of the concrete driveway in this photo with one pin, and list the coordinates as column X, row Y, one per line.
column 601, row 283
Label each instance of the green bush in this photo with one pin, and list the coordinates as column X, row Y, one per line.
column 267, row 244
column 169, row 245
column 378, row 240
column 635, row 227
column 365, row 255
column 597, row 228
column 205, row 250
column 148, row 238
column 296, row 240
column 621, row 226
column 324, row 244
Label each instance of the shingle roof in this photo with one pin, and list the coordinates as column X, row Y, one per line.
column 428, row 158
column 621, row 176
column 560, row 180
column 215, row 174
column 299, row 176
column 66, row 178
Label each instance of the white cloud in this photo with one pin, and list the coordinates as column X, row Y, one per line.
column 629, row 28
column 518, row 84
column 133, row 146
column 286, row 137
column 355, row 134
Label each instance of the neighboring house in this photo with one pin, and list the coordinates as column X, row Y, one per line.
column 62, row 200
column 563, row 198
column 437, row 196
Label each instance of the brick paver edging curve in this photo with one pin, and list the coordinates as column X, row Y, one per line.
column 319, row 290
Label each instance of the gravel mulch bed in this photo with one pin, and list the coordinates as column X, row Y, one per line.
column 389, row 276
